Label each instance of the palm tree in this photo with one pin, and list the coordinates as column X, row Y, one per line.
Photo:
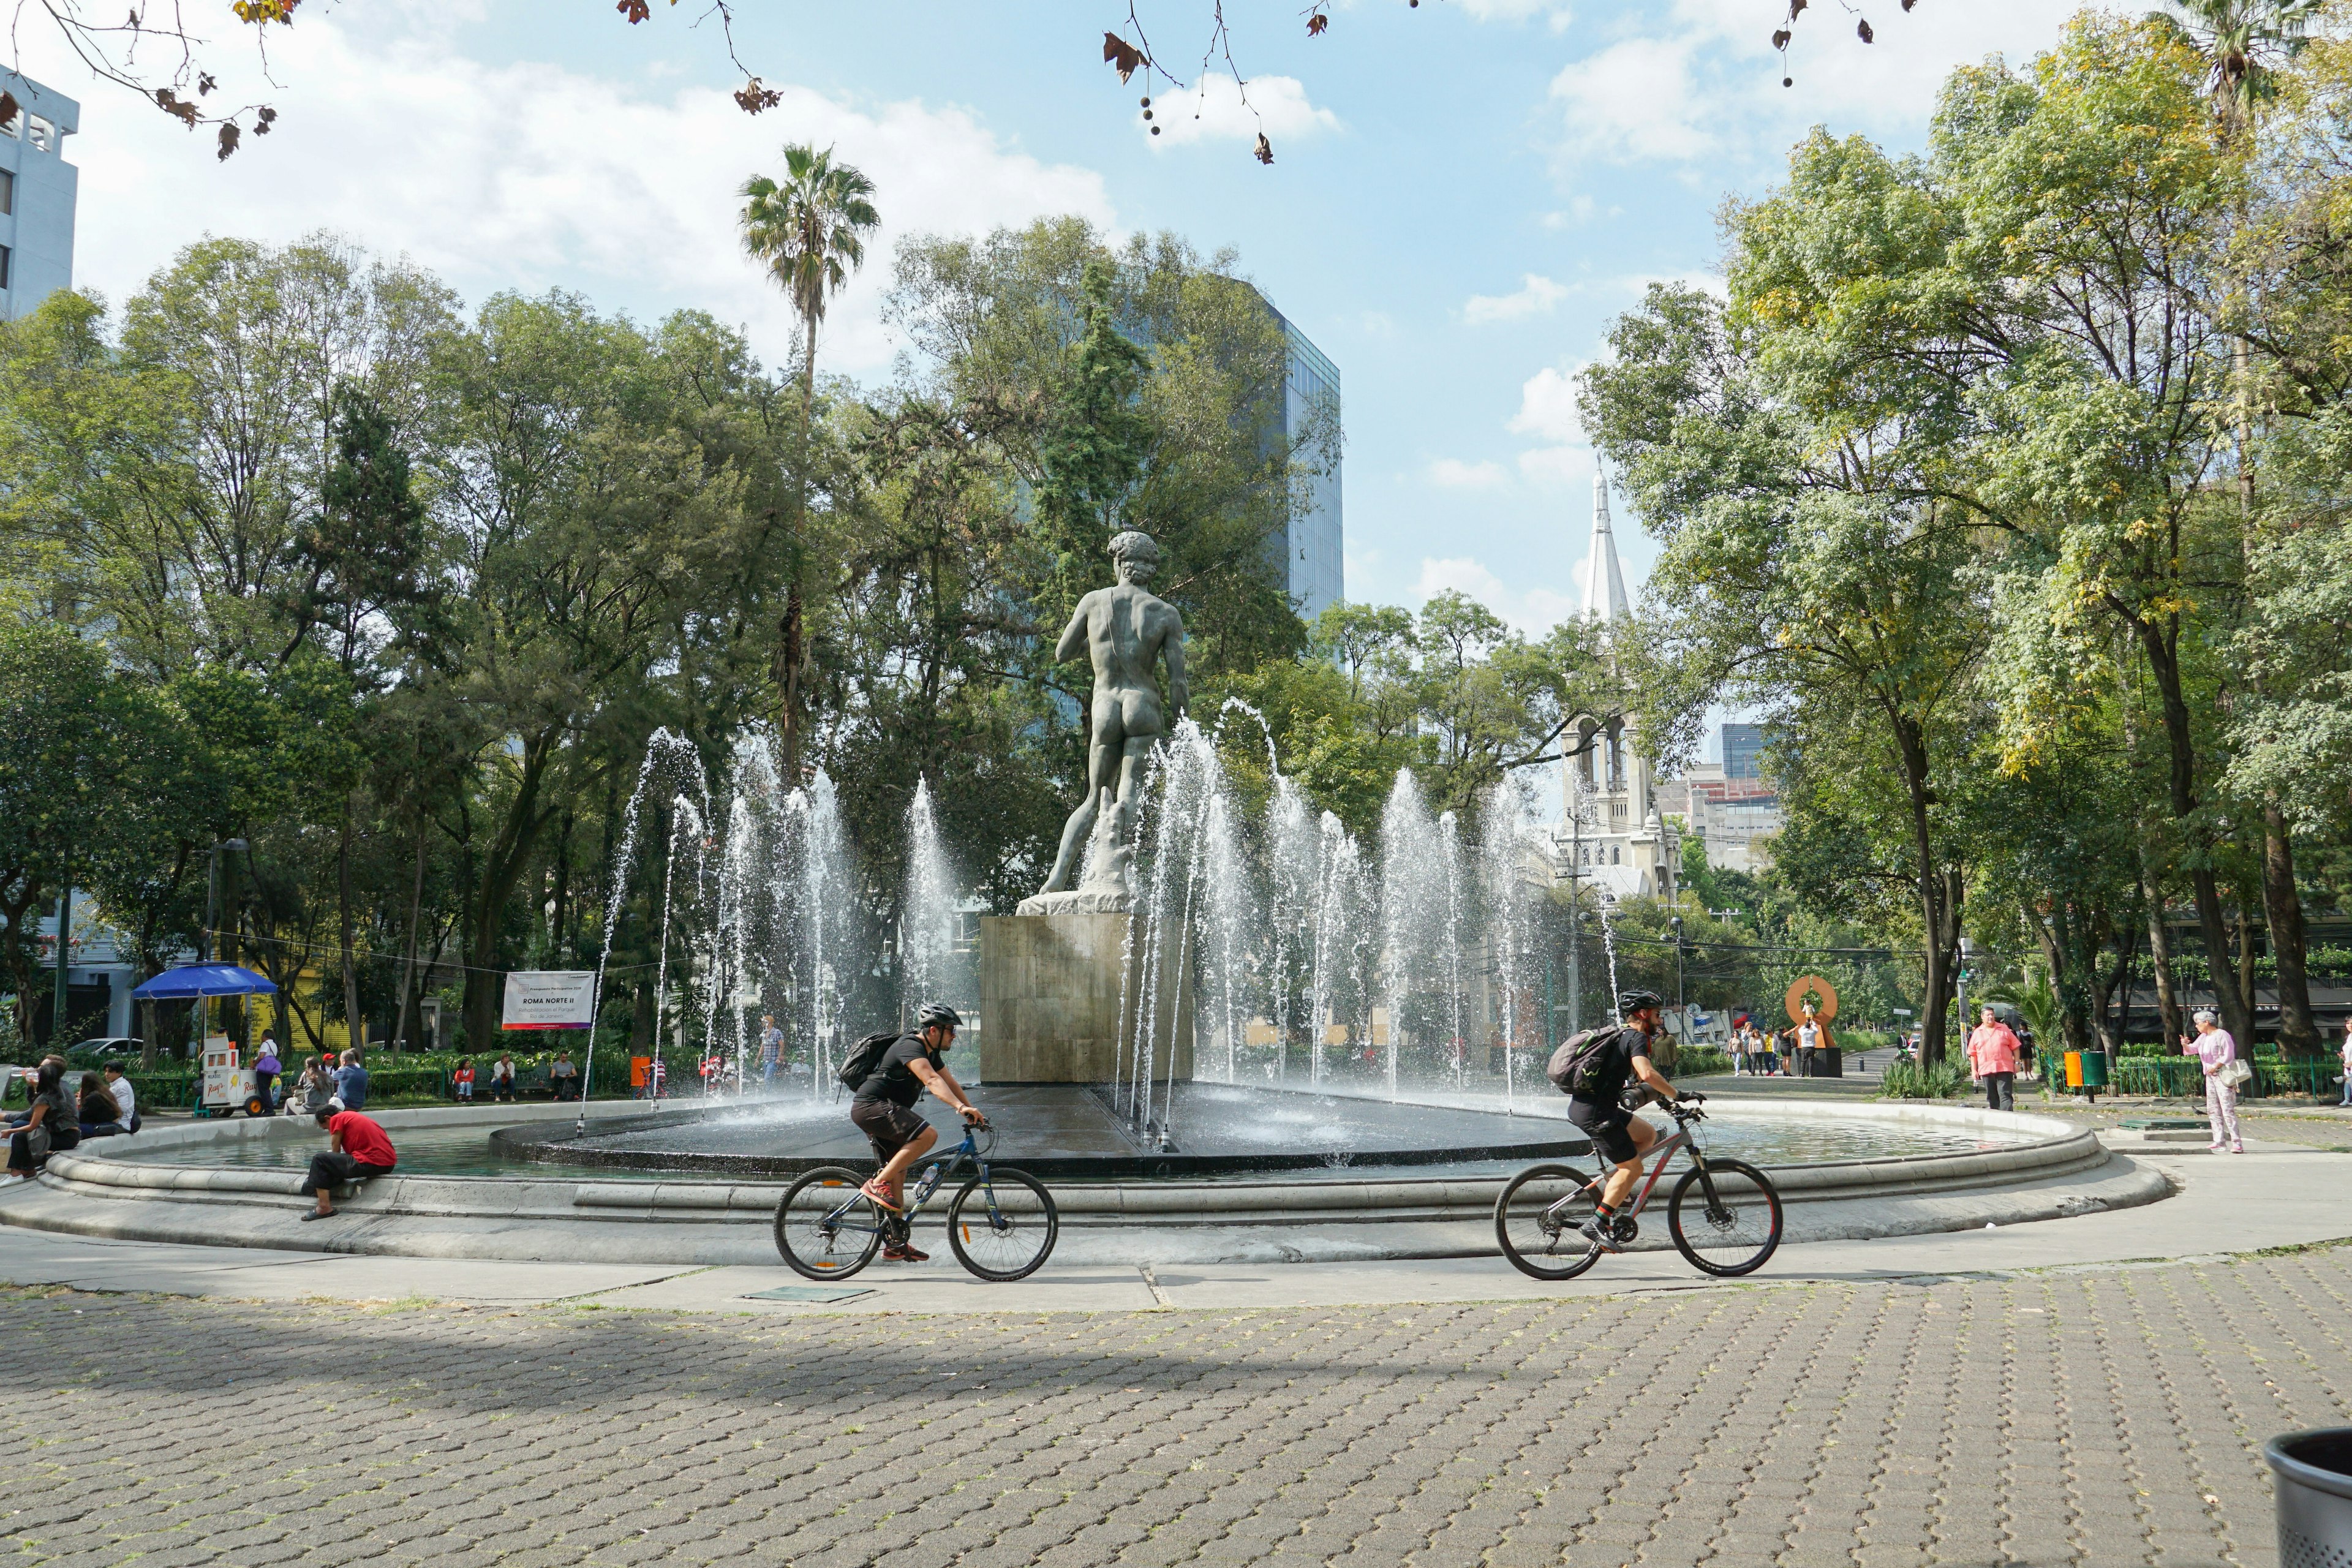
column 809, row 233
column 2243, row 42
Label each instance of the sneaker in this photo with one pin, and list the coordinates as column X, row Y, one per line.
column 905, row 1252
column 2212, row 1148
column 1598, row 1231
column 874, row 1190
column 2237, row 1148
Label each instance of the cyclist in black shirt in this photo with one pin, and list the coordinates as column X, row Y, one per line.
column 1599, row 1107
column 885, row 1111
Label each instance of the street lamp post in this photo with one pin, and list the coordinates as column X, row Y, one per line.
column 205, row 937
column 65, row 936
column 1681, row 989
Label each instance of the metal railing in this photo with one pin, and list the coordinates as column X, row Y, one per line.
column 2184, row 1077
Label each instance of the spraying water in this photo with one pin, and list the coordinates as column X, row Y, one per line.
column 931, row 965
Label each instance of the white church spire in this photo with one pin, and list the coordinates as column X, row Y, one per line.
column 1604, row 581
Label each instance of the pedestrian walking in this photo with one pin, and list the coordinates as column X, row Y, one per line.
column 1809, row 1044
column 2212, row 1045
column 1992, row 1061
column 771, row 1047
column 266, row 1068
column 2345, row 1051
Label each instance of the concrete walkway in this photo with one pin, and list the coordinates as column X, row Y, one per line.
column 2278, row 1194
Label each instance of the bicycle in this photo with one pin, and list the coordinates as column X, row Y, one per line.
column 1002, row 1224
column 1723, row 1216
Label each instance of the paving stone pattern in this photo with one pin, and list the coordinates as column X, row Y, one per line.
column 2109, row 1415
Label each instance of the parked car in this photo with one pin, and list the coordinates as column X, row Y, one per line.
column 108, row 1047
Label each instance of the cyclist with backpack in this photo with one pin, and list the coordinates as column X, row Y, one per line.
column 1592, row 1070
column 893, row 1074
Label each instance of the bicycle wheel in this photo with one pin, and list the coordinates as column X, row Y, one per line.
column 1536, row 1220
column 1726, row 1219
column 1002, row 1226
column 825, row 1227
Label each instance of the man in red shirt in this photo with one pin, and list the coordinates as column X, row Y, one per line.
column 1992, row 1058
column 357, row 1147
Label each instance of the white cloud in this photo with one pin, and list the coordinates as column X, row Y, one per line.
column 1212, row 110
column 1547, row 405
column 1554, row 13
column 1636, row 101
column 1703, row 82
column 1535, row 297
column 1455, row 474
column 530, row 175
column 1533, row 609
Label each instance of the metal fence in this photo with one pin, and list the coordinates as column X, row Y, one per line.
column 2184, row 1077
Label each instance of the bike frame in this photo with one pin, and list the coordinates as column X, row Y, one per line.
column 1661, row 1155
column 967, row 1150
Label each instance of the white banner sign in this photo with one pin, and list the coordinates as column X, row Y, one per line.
column 551, row 999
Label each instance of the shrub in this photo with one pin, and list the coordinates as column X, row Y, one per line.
column 1947, row 1079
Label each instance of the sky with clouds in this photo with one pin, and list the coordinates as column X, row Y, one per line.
column 1464, row 191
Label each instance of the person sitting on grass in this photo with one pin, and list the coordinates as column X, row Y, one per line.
column 357, row 1148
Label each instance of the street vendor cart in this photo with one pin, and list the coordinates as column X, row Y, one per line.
column 227, row 1084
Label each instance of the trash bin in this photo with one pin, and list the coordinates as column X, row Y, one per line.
column 2086, row 1070
column 2313, row 1472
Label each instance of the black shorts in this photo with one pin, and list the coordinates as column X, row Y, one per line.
column 1606, row 1126
column 889, row 1128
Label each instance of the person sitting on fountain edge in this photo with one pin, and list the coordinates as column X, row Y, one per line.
column 1596, row 1105
column 885, row 1111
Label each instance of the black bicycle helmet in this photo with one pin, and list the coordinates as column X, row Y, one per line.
column 941, row 1014
column 1632, row 1002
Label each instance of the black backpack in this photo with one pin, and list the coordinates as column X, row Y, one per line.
column 1572, row 1066
column 864, row 1058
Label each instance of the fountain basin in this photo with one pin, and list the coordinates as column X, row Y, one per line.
column 234, row 1183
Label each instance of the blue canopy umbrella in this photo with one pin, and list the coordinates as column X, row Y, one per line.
column 191, row 982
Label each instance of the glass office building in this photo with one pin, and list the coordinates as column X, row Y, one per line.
column 1314, row 553
column 37, row 189
column 1743, row 750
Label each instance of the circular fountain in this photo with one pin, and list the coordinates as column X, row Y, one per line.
column 1293, row 1048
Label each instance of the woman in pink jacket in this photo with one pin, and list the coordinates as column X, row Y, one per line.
column 2212, row 1045
column 1993, row 1059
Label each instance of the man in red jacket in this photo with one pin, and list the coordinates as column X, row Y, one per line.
column 357, row 1147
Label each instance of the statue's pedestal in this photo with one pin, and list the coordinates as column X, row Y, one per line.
column 1050, row 994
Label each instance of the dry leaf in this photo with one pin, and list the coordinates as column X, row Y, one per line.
column 1122, row 54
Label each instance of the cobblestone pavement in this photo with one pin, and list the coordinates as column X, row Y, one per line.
column 2106, row 1415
